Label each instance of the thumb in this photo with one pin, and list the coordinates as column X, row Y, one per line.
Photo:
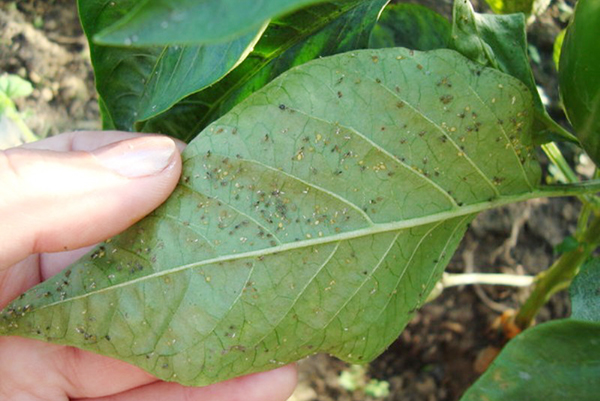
column 53, row 201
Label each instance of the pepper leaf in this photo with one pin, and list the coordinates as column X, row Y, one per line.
column 317, row 31
column 552, row 361
column 500, row 41
column 412, row 26
column 315, row 216
column 136, row 84
column 164, row 22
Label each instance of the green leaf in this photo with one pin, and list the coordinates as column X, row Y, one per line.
column 585, row 292
column 511, row 6
column 14, row 87
column 535, row 7
column 315, row 216
column 165, row 22
column 322, row 30
column 554, row 361
column 412, row 26
column 579, row 76
column 139, row 83
column 500, row 41
column 558, row 48
column 568, row 244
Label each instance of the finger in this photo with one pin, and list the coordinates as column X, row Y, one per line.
column 50, row 264
column 87, row 141
column 52, row 201
column 275, row 385
column 37, row 367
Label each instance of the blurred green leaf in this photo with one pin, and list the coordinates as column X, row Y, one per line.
column 500, row 41
column 579, row 75
column 558, row 42
column 412, row 26
column 554, row 361
column 192, row 22
column 138, row 83
column 15, row 87
column 326, row 29
column 567, row 245
column 585, row 292
column 518, row 6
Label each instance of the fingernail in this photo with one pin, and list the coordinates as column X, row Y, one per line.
column 138, row 157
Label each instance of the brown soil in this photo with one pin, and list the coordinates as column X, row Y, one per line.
column 450, row 340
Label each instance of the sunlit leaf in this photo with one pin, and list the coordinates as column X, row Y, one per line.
column 558, row 47
column 315, row 216
column 518, row 6
column 14, row 87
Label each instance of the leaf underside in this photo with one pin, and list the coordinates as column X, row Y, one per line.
column 316, row 216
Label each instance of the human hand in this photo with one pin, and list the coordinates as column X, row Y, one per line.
column 58, row 197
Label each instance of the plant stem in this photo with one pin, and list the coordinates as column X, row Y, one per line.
column 456, row 279
column 558, row 276
column 511, row 280
column 557, row 158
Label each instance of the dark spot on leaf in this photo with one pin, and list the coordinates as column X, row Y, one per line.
column 445, row 99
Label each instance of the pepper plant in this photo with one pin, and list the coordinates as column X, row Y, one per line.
column 333, row 166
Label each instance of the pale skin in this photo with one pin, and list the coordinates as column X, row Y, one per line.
column 58, row 197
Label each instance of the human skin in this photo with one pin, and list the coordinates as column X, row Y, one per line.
column 58, row 197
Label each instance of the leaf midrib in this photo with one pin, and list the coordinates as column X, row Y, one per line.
column 378, row 228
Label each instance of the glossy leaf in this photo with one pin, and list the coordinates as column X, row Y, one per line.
column 316, row 216
column 164, row 22
column 500, row 41
column 412, row 26
column 585, row 292
column 579, row 75
column 139, row 83
column 322, row 30
column 554, row 361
